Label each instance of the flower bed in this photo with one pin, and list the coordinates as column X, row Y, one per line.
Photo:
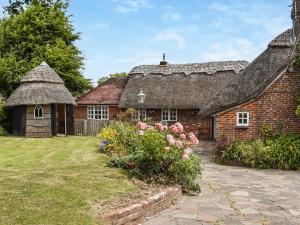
column 155, row 153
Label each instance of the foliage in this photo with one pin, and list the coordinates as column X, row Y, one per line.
column 103, row 79
column 65, row 173
column 281, row 152
column 2, row 117
column 158, row 154
column 266, row 132
column 127, row 115
column 36, row 31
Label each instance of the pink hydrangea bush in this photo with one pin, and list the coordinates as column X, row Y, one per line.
column 161, row 153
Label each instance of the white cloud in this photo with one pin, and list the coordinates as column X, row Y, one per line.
column 251, row 15
column 233, row 49
column 173, row 35
column 98, row 26
column 170, row 15
column 141, row 59
column 177, row 36
column 127, row 6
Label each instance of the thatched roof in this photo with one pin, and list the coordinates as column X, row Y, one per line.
column 179, row 86
column 42, row 85
column 254, row 79
column 108, row 93
column 211, row 87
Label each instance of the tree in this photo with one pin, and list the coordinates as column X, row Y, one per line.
column 103, row 79
column 36, row 31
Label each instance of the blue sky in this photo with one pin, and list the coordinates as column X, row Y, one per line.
column 120, row 34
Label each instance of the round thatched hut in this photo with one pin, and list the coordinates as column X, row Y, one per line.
column 41, row 106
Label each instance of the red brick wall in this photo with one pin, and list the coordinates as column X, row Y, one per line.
column 200, row 126
column 81, row 112
column 276, row 106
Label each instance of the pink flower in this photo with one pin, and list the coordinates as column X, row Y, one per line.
column 187, row 151
column 195, row 140
column 174, row 129
column 141, row 132
column 185, row 157
column 179, row 144
column 158, row 126
column 179, row 127
column 171, row 139
column 182, row 136
column 163, row 128
column 142, row 125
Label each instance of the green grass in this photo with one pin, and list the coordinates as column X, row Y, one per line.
column 57, row 181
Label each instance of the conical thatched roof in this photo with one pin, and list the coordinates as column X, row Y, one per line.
column 42, row 85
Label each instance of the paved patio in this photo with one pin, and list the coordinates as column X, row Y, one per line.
column 237, row 196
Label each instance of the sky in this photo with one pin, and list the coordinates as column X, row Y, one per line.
column 117, row 35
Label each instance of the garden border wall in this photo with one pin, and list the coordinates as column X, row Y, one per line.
column 135, row 213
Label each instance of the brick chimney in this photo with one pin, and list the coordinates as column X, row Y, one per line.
column 296, row 18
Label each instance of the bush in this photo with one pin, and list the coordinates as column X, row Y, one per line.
column 2, row 117
column 154, row 154
column 282, row 152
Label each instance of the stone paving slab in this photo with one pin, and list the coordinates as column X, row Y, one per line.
column 237, row 196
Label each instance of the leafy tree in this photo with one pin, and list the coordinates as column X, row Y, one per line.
column 36, row 31
column 103, row 79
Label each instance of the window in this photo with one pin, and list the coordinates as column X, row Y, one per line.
column 168, row 115
column 137, row 115
column 38, row 112
column 242, row 119
column 97, row 112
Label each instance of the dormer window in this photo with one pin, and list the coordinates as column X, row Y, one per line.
column 38, row 112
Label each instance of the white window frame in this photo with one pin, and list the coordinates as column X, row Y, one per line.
column 168, row 111
column 238, row 118
column 137, row 116
column 92, row 109
column 38, row 107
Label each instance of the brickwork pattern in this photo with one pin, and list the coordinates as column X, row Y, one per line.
column 276, row 107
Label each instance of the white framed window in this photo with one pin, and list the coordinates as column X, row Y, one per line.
column 137, row 115
column 38, row 112
column 242, row 119
column 169, row 115
column 97, row 113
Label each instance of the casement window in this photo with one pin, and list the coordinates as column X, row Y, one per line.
column 169, row 115
column 97, row 112
column 242, row 119
column 137, row 115
column 38, row 112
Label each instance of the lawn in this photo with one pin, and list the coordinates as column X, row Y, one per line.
column 57, row 181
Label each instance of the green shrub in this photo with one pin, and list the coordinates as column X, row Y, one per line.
column 154, row 154
column 282, row 152
column 2, row 117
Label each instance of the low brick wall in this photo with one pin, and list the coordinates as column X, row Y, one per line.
column 137, row 212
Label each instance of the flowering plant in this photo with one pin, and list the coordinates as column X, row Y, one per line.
column 157, row 153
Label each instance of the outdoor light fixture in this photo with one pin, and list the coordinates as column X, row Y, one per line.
column 141, row 100
column 141, row 97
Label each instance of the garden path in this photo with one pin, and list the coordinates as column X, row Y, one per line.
column 237, row 196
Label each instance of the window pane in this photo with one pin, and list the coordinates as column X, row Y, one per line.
column 240, row 115
column 245, row 115
column 245, row 121
column 240, row 121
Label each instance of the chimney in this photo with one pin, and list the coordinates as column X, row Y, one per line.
column 296, row 18
column 164, row 62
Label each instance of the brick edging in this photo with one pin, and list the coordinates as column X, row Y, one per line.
column 138, row 211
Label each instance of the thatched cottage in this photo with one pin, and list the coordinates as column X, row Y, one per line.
column 41, row 106
column 231, row 99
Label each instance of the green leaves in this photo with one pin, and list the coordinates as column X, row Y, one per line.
column 103, row 79
column 36, row 31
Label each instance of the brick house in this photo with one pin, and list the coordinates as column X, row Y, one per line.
column 102, row 102
column 217, row 100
